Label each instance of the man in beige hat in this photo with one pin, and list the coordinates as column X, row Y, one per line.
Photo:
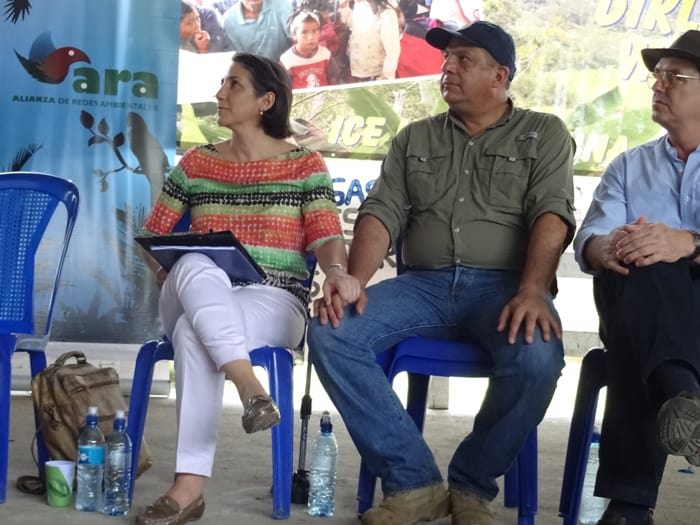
column 641, row 240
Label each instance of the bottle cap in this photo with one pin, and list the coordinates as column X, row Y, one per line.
column 92, row 419
column 326, row 425
column 119, row 414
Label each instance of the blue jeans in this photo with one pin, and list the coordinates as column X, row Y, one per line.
column 455, row 303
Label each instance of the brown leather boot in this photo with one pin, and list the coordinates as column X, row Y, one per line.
column 410, row 507
column 470, row 509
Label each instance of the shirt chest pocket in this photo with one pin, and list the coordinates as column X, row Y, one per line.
column 506, row 169
column 427, row 177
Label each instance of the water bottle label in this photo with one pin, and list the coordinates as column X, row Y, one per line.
column 91, row 455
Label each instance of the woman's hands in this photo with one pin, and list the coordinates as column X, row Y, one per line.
column 161, row 275
column 340, row 281
column 339, row 290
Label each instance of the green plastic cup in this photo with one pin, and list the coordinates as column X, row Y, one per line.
column 59, row 482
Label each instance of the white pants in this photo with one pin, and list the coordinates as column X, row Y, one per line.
column 211, row 323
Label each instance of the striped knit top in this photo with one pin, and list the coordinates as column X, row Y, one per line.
column 279, row 208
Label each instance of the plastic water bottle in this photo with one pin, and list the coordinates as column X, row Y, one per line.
column 592, row 507
column 117, row 469
column 91, row 459
column 322, row 475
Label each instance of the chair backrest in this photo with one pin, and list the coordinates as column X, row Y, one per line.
column 28, row 200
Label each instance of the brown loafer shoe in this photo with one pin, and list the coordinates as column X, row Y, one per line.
column 470, row 509
column 166, row 511
column 610, row 517
column 679, row 426
column 410, row 507
column 260, row 413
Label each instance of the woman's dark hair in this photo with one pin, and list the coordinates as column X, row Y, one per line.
column 187, row 8
column 269, row 75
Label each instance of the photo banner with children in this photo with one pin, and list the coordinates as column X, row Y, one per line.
column 89, row 94
column 578, row 60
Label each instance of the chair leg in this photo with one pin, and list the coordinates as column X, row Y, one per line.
column 511, row 494
column 417, row 397
column 591, row 380
column 37, row 363
column 527, row 480
column 5, row 378
column 138, row 402
column 366, row 486
column 279, row 364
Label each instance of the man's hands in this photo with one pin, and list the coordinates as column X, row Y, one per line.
column 640, row 243
column 529, row 307
column 606, row 246
column 339, row 289
column 647, row 243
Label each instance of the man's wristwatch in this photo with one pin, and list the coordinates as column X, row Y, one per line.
column 696, row 240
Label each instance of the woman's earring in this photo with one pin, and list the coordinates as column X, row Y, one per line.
column 261, row 112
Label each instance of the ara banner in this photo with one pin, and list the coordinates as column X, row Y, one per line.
column 89, row 94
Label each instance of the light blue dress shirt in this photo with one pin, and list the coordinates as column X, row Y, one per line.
column 267, row 35
column 649, row 180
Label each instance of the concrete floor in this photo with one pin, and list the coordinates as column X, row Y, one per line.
column 238, row 492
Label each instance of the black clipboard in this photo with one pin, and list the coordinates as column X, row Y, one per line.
column 222, row 247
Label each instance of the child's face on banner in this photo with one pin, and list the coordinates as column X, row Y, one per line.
column 189, row 26
column 306, row 37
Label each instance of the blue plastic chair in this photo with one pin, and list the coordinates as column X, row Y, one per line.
column 278, row 363
column 423, row 358
column 27, row 204
column 592, row 378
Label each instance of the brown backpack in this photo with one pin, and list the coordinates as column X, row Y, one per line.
column 62, row 394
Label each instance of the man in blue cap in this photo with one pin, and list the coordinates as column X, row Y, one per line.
column 641, row 240
column 481, row 198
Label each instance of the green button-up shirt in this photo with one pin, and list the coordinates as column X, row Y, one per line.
column 462, row 200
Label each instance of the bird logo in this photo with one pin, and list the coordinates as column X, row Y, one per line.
column 48, row 64
column 153, row 162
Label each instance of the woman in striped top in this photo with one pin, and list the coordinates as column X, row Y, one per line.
column 277, row 198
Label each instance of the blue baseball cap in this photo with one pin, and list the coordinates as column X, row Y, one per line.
column 488, row 36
